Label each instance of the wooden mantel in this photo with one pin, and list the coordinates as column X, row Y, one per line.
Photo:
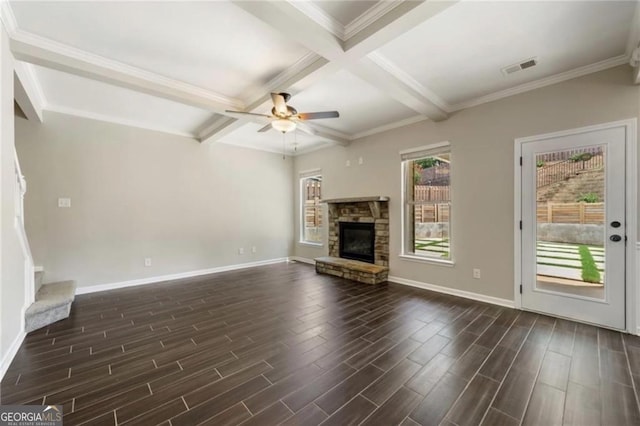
column 374, row 203
column 355, row 199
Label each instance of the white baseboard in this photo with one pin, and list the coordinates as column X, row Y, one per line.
column 181, row 275
column 454, row 292
column 303, row 260
column 11, row 353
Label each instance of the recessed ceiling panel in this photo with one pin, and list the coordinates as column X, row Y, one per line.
column 297, row 141
column 344, row 11
column 460, row 52
column 361, row 106
column 77, row 95
column 214, row 45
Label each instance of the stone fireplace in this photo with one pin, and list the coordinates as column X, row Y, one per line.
column 358, row 239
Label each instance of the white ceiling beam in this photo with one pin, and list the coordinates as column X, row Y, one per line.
column 400, row 87
column 397, row 21
column 292, row 22
column 27, row 92
column 334, row 136
column 293, row 80
column 48, row 53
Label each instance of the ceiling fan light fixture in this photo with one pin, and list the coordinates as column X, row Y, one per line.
column 283, row 125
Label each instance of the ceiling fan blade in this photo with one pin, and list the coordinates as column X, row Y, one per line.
column 279, row 103
column 248, row 113
column 266, row 128
column 318, row 115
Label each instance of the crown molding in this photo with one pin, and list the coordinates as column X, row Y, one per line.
column 387, row 65
column 22, row 41
column 320, row 17
column 369, row 16
column 116, row 120
column 390, row 126
column 288, row 152
column 7, row 17
column 543, row 82
column 345, row 32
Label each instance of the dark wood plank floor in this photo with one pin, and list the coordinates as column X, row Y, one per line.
column 282, row 345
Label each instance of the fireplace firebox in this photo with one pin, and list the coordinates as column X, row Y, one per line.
column 357, row 241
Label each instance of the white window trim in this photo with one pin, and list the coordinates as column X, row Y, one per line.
column 305, row 174
column 405, row 156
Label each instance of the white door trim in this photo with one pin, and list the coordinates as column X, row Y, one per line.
column 631, row 278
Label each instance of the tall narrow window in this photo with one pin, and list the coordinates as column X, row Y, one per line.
column 312, row 220
column 427, row 202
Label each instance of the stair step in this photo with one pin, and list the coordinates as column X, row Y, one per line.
column 53, row 303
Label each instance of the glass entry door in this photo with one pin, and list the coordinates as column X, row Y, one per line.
column 573, row 233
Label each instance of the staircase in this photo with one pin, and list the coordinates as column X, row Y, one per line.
column 53, row 303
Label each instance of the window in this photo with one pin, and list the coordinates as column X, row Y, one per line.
column 312, row 220
column 427, row 202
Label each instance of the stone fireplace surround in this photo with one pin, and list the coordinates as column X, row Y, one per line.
column 358, row 209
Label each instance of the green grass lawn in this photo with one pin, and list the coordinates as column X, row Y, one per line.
column 590, row 271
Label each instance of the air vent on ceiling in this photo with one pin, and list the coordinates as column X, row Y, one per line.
column 527, row 63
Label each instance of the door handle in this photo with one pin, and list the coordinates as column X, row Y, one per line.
column 615, row 224
column 615, row 238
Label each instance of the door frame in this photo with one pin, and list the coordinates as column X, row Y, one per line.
column 632, row 295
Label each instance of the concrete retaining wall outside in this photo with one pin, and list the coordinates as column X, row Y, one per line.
column 571, row 233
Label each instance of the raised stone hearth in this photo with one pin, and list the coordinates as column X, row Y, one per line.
column 365, row 210
column 356, row 270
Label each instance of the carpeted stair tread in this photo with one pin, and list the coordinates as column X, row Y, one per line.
column 53, row 303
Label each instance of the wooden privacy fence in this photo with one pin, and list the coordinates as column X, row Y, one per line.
column 557, row 172
column 565, row 155
column 312, row 189
column 432, row 212
column 312, row 214
column 431, row 193
column 578, row 213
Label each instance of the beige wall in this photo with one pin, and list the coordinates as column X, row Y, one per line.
column 12, row 291
column 137, row 193
column 482, row 145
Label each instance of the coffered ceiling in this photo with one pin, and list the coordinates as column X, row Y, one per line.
column 177, row 66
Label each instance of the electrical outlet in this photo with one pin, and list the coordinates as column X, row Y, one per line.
column 476, row 273
column 348, row 163
column 64, row 202
column 147, row 261
column 240, row 250
column 361, row 161
column 254, row 249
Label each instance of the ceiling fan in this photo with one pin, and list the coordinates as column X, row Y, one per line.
column 285, row 118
